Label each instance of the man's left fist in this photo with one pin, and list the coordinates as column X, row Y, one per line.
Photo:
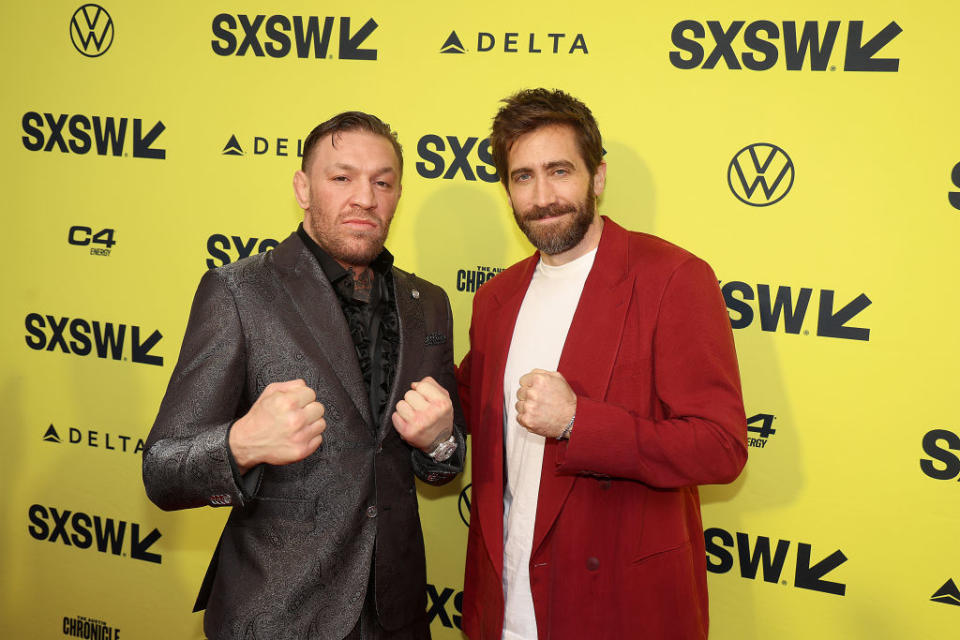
column 545, row 403
column 424, row 418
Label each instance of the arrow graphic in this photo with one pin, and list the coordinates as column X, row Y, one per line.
column 138, row 547
column 141, row 350
column 141, row 143
column 860, row 58
column 808, row 577
column 833, row 325
column 350, row 45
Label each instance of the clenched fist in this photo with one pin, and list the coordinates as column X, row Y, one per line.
column 545, row 403
column 424, row 418
column 284, row 425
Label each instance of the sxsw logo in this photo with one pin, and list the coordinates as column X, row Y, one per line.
column 278, row 36
column 760, row 50
column 261, row 146
column 447, row 157
column 947, row 594
column 80, row 134
column 943, row 448
column 760, row 165
column 221, row 248
column 470, row 279
column 754, row 556
column 762, row 425
column 78, row 529
column 954, row 196
column 110, row 441
column 88, row 337
column 515, row 42
column 791, row 304
column 439, row 603
column 91, row 25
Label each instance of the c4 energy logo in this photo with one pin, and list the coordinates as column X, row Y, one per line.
column 516, row 42
column 80, row 530
column 943, row 447
column 761, row 50
column 947, row 594
column 91, row 30
column 90, row 337
column 81, row 236
column 96, row 439
column 791, row 305
column 436, row 163
column 755, row 556
column 280, row 36
column 90, row 628
column 220, row 246
column 954, row 196
column 762, row 425
column 760, row 165
column 80, row 134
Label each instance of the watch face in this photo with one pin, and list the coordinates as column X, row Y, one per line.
column 444, row 450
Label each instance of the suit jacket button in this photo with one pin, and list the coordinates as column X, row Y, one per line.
column 592, row 564
column 371, row 512
column 605, row 484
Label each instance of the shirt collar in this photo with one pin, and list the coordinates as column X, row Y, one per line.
column 381, row 265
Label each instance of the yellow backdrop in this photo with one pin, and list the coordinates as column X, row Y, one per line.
column 145, row 143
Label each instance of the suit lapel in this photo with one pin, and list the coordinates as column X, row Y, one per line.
column 588, row 356
column 499, row 321
column 313, row 296
column 412, row 334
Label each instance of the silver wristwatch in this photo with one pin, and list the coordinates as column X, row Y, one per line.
column 444, row 450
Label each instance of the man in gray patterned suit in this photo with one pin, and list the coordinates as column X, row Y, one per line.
column 314, row 382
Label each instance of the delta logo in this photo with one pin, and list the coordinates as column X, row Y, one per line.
column 95, row 439
column 264, row 146
column 947, row 594
column 555, row 43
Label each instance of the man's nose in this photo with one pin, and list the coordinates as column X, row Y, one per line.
column 363, row 195
column 543, row 193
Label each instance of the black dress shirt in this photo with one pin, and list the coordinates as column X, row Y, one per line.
column 371, row 316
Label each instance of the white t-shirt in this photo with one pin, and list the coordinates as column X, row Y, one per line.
column 537, row 343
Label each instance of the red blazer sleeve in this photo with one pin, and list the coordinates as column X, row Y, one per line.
column 700, row 435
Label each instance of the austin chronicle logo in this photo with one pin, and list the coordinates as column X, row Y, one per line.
column 463, row 505
column 762, row 165
column 91, row 30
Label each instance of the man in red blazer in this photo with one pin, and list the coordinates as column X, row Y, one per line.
column 601, row 388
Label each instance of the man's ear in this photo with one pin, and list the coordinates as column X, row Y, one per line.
column 301, row 189
column 600, row 179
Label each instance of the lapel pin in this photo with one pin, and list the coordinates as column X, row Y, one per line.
column 415, row 294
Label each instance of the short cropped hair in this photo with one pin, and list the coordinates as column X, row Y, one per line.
column 530, row 109
column 350, row 121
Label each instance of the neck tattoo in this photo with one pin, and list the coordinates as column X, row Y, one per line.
column 362, row 284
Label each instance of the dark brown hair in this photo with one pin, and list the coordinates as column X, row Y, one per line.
column 350, row 121
column 530, row 109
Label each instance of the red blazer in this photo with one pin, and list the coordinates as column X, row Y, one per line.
column 618, row 548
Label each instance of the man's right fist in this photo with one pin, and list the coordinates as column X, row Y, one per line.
column 284, row 425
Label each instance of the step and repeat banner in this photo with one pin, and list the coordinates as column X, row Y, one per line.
column 811, row 155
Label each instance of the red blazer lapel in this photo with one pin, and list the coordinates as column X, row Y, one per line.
column 498, row 323
column 588, row 356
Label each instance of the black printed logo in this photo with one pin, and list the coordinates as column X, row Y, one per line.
column 91, row 30
column 762, row 165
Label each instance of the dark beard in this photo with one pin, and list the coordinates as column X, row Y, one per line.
column 571, row 230
column 345, row 251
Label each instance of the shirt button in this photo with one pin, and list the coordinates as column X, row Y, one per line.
column 371, row 512
column 604, row 484
column 592, row 564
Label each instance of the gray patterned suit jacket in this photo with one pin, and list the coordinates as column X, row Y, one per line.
column 294, row 558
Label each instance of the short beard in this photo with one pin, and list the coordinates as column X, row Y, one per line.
column 346, row 250
column 571, row 231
